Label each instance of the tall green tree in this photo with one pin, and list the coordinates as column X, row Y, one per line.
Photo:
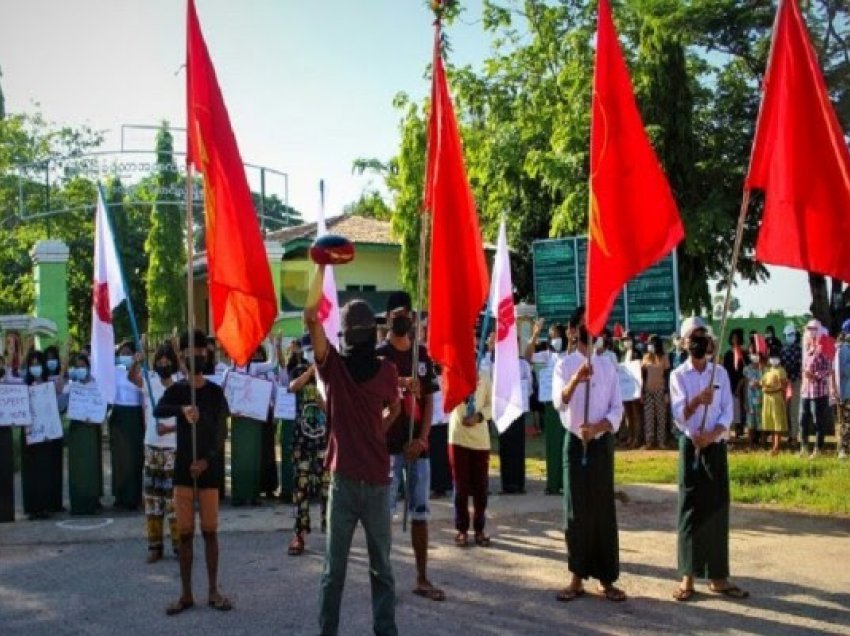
column 165, row 244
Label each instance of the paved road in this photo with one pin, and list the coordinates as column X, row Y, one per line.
column 83, row 580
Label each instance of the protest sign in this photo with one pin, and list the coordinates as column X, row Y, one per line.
column 631, row 380
column 248, row 396
column 86, row 404
column 14, row 405
column 284, row 406
column 44, row 407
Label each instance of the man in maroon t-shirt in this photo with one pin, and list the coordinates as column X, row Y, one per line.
column 362, row 400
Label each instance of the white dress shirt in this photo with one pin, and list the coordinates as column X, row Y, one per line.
column 685, row 383
column 152, row 436
column 126, row 393
column 605, row 402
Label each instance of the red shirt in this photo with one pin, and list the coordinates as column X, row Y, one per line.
column 357, row 447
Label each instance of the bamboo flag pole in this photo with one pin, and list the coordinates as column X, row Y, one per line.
column 190, row 307
column 584, row 443
column 736, row 253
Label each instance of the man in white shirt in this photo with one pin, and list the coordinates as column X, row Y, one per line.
column 589, row 510
column 703, row 519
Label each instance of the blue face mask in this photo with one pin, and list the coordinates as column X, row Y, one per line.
column 35, row 371
column 78, row 374
column 125, row 361
column 53, row 365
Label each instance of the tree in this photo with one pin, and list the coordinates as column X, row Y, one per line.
column 165, row 245
column 371, row 204
column 2, row 101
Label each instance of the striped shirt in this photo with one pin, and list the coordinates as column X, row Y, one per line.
column 817, row 386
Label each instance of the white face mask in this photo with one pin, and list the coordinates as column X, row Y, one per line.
column 774, row 362
column 754, row 359
column 308, row 355
column 557, row 344
column 629, row 344
column 599, row 345
column 650, row 348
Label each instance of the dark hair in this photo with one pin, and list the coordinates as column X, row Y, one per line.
column 52, row 352
column 562, row 333
column 167, row 351
column 658, row 343
column 740, row 335
column 399, row 299
column 129, row 344
column 582, row 334
column 81, row 357
column 577, row 317
column 34, row 356
column 199, row 340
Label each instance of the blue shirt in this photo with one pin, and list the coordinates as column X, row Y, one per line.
column 842, row 368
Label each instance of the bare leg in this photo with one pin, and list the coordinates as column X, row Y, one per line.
column 419, row 541
column 186, row 557
column 211, row 553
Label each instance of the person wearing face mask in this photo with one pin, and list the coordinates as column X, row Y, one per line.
column 362, row 400
column 632, row 410
column 160, row 448
column 127, row 431
column 195, row 467
column 774, row 382
column 792, row 361
column 417, row 387
column 553, row 432
column 39, row 483
column 655, row 372
column 252, row 445
column 590, row 516
column 770, row 337
column 703, row 510
column 814, row 391
column 753, row 379
column 84, row 449
column 308, row 452
column 734, row 362
column 842, row 380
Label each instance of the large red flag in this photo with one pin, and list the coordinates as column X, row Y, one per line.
column 458, row 282
column 800, row 159
column 244, row 304
column 634, row 221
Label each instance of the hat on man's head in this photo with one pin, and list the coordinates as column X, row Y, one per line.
column 357, row 321
column 689, row 325
column 399, row 300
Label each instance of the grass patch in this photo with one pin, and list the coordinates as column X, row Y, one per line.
column 787, row 481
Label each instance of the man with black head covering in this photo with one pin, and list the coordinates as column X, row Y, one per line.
column 416, row 391
column 361, row 401
column 703, row 487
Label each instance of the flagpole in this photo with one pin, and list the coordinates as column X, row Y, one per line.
column 736, row 253
column 133, row 325
column 424, row 230
column 586, row 396
column 190, row 307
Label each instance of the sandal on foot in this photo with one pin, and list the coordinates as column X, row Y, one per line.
column 732, row 591
column 178, row 606
column 570, row 594
column 296, row 546
column 482, row 540
column 684, row 594
column 613, row 594
column 431, row 593
column 220, row 603
column 461, row 540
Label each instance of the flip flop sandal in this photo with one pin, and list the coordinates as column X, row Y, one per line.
column 733, row 591
column 431, row 593
column 569, row 594
column 222, row 604
column 179, row 606
column 613, row 594
column 684, row 595
column 482, row 540
column 461, row 540
column 296, row 546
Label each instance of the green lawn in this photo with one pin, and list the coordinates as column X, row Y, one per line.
column 787, row 481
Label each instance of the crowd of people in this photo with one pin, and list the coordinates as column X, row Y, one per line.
column 370, row 425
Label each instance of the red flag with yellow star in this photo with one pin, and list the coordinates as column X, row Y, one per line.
column 242, row 296
column 634, row 221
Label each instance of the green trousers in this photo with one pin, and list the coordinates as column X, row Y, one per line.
column 703, row 520
column 84, row 472
column 245, row 449
column 553, row 436
column 127, row 447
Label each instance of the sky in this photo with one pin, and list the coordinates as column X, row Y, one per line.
column 309, row 85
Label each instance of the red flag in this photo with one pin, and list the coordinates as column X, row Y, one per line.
column 458, row 282
column 800, row 159
column 634, row 221
column 244, row 303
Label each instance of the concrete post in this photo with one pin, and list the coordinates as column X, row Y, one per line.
column 50, row 272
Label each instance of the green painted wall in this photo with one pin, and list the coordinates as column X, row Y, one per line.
column 50, row 274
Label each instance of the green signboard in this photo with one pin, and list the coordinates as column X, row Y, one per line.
column 649, row 303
